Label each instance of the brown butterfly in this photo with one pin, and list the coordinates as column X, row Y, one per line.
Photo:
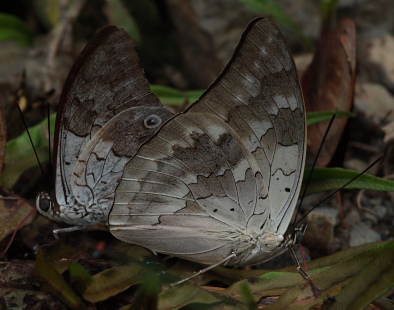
column 216, row 183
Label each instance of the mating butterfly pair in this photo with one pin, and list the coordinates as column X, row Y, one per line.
column 216, row 183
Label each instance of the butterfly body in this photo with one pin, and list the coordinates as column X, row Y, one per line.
column 219, row 179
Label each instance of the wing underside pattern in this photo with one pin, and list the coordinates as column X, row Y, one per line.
column 105, row 81
column 226, row 170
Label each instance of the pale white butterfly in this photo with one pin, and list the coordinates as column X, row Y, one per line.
column 216, row 183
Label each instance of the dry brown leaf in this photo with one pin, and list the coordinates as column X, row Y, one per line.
column 328, row 85
column 13, row 209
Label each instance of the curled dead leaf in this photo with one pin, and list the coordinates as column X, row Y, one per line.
column 328, row 85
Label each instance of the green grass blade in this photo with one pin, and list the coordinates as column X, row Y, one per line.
column 269, row 7
column 370, row 283
column 12, row 28
column 327, row 179
column 318, row 117
column 20, row 155
column 172, row 97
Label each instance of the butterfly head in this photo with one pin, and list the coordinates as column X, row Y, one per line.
column 298, row 233
column 46, row 206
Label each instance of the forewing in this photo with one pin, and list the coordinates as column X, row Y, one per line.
column 259, row 96
column 105, row 80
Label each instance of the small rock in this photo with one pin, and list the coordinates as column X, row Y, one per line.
column 353, row 217
column 373, row 17
column 374, row 101
column 377, row 60
column 320, row 232
column 362, row 233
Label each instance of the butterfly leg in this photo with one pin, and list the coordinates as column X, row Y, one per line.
column 66, row 230
column 315, row 289
column 204, row 270
column 297, row 262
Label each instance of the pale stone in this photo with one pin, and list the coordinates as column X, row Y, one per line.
column 362, row 233
column 378, row 61
column 374, row 101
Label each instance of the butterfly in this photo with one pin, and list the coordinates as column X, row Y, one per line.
column 106, row 111
column 218, row 182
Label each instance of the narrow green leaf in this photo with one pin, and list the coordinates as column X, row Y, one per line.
column 329, row 274
column 12, row 28
column 48, row 12
column 370, row 283
column 80, row 278
column 328, row 8
column 247, row 297
column 318, row 117
column 146, row 296
column 20, row 155
column 183, row 295
column 122, row 18
column 173, row 97
column 269, row 7
column 272, row 283
column 327, row 179
column 113, row 281
column 340, row 268
column 54, row 283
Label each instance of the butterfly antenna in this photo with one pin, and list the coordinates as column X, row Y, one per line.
column 314, row 165
column 49, row 144
column 343, row 186
column 28, row 133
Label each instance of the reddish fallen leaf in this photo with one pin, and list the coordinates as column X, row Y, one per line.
column 328, row 84
column 13, row 213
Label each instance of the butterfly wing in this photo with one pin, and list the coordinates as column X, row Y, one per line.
column 259, row 96
column 226, row 172
column 105, row 80
column 186, row 192
column 100, row 164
